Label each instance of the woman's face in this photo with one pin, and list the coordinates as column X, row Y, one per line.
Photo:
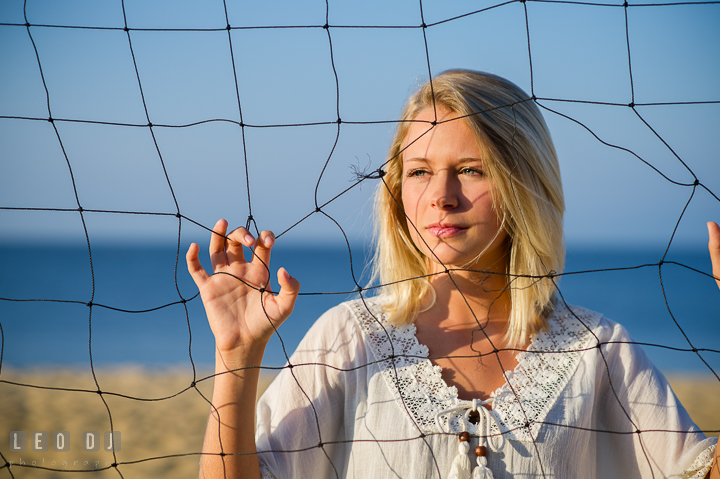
column 447, row 196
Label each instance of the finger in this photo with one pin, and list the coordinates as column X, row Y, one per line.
column 198, row 273
column 289, row 289
column 714, row 249
column 238, row 238
column 217, row 238
column 217, row 244
column 265, row 242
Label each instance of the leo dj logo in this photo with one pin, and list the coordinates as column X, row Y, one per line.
column 60, row 441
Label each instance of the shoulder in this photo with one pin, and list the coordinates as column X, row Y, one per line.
column 574, row 328
column 582, row 323
column 368, row 321
column 344, row 322
column 603, row 340
column 352, row 311
column 356, row 313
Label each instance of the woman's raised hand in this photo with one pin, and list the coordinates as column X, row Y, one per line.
column 232, row 296
column 714, row 248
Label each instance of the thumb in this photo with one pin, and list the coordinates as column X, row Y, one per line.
column 289, row 289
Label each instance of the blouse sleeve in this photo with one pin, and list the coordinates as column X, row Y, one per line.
column 643, row 424
column 302, row 415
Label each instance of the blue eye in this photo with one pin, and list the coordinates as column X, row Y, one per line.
column 416, row 172
column 472, row 172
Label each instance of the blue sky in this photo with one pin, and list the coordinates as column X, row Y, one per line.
column 285, row 76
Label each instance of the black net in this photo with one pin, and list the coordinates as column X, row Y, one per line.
column 146, row 122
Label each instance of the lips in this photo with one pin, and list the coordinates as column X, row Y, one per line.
column 445, row 230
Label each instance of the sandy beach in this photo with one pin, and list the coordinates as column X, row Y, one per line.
column 161, row 418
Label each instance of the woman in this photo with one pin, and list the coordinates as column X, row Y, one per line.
column 468, row 360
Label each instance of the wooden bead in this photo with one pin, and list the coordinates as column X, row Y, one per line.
column 481, row 451
column 464, row 436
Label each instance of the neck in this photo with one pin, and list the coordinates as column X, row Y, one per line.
column 472, row 296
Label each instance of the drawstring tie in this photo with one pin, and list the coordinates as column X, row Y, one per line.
column 461, row 466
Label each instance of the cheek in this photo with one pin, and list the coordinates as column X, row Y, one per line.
column 410, row 211
column 482, row 204
column 407, row 202
column 411, row 201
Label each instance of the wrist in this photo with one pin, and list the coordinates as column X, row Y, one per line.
column 239, row 358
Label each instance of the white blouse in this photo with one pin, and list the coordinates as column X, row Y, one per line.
column 360, row 399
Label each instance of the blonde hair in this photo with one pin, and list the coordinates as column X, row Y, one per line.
column 520, row 161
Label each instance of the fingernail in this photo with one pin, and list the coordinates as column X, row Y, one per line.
column 269, row 241
column 249, row 238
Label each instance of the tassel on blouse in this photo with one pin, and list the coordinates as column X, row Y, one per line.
column 482, row 471
column 461, row 467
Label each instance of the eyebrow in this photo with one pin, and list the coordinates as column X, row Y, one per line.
column 425, row 160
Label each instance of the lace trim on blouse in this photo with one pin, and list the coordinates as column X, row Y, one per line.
column 520, row 405
column 701, row 465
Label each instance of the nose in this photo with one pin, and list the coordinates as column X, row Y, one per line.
column 444, row 194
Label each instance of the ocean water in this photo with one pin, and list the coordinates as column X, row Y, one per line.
column 137, row 316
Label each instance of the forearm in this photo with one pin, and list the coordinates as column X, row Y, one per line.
column 229, row 447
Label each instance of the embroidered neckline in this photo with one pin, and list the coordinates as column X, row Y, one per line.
column 537, row 381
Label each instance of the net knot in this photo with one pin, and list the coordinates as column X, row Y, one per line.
column 27, row 25
column 80, row 209
column 631, row 104
column 149, row 124
column 193, row 384
column 126, row 29
column 89, row 304
column 51, row 120
column 114, row 464
column 694, row 349
column 551, row 274
column 99, row 392
column 423, row 25
column 338, row 121
column 696, row 182
column 377, row 174
column 178, row 215
column 317, row 209
column 326, row 26
column 262, row 290
column 227, row 27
